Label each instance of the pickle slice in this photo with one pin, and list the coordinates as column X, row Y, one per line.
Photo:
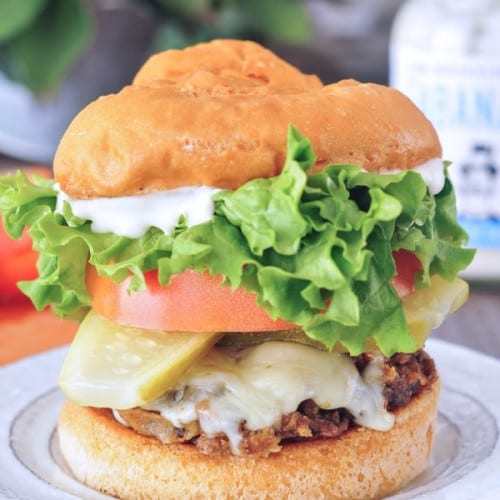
column 253, row 338
column 427, row 308
column 114, row 366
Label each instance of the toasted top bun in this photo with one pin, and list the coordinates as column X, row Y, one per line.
column 220, row 118
column 362, row 463
column 241, row 59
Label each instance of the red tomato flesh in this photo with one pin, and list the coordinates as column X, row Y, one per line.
column 195, row 302
column 192, row 302
column 407, row 264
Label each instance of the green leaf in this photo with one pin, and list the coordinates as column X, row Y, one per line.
column 42, row 55
column 17, row 15
column 344, row 307
column 267, row 210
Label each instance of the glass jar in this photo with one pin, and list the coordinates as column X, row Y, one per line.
column 445, row 55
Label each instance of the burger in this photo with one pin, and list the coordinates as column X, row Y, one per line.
column 256, row 260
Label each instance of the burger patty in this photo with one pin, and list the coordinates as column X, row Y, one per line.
column 404, row 376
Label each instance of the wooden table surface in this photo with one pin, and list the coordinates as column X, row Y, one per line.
column 477, row 323
column 24, row 331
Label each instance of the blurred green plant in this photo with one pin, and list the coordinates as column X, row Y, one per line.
column 191, row 21
column 41, row 40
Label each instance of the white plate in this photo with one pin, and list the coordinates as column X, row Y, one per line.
column 465, row 463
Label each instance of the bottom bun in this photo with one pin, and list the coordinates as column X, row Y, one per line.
column 362, row 463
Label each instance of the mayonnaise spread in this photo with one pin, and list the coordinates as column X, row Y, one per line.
column 432, row 173
column 132, row 216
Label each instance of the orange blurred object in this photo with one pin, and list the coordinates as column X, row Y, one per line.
column 24, row 331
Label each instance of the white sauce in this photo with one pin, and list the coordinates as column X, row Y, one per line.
column 132, row 216
column 261, row 384
column 432, row 173
column 118, row 418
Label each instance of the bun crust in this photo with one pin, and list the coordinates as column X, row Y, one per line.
column 217, row 114
column 233, row 58
column 362, row 463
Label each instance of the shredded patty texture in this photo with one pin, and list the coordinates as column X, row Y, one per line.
column 404, row 376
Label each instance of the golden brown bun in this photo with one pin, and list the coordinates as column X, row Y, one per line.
column 234, row 58
column 221, row 128
column 360, row 464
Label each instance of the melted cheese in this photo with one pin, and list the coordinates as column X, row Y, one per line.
column 259, row 385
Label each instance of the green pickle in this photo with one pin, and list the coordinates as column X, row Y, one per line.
column 110, row 365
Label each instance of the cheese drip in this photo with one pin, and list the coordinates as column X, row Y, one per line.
column 257, row 386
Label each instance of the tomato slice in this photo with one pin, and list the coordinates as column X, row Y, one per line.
column 407, row 264
column 195, row 302
column 192, row 302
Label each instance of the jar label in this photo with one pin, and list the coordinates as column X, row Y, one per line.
column 461, row 97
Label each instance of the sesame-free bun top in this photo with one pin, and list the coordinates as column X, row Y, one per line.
column 241, row 59
column 217, row 114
